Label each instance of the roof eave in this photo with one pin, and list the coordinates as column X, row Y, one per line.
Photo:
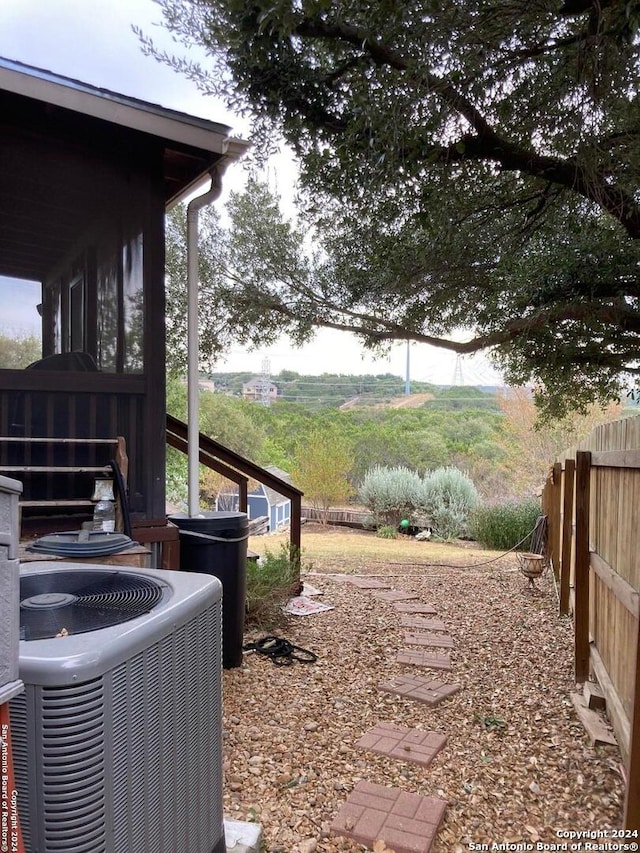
column 118, row 109
column 234, row 151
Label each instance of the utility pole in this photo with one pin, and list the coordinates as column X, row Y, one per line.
column 407, row 381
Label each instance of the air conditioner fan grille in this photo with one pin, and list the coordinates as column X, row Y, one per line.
column 74, row 602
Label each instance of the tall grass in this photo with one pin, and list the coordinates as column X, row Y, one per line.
column 502, row 526
column 270, row 580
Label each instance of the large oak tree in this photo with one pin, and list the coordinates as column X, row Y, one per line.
column 466, row 164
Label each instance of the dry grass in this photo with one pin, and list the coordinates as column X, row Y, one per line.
column 517, row 767
column 354, row 546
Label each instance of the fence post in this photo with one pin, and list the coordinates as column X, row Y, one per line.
column 567, row 534
column 581, row 610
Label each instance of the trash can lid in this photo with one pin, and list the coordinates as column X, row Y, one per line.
column 211, row 522
column 206, row 514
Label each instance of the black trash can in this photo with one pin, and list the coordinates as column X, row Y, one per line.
column 215, row 543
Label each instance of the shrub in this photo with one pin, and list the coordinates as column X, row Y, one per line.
column 447, row 498
column 387, row 532
column 270, row 579
column 501, row 526
column 390, row 493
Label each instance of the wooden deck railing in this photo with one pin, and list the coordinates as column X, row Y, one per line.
column 239, row 470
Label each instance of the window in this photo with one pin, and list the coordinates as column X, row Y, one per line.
column 20, row 323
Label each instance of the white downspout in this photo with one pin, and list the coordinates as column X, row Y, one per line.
column 193, row 417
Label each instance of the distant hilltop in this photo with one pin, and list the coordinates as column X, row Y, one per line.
column 348, row 391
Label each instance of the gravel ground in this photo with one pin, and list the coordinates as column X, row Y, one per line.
column 518, row 766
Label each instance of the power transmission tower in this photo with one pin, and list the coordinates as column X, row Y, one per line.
column 265, row 383
column 457, row 372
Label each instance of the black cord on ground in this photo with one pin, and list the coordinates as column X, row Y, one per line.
column 280, row 651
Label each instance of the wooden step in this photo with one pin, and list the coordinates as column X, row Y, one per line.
column 54, row 503
column 60, row 469
column 599, row 733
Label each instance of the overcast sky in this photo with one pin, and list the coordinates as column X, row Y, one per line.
column 92, row 41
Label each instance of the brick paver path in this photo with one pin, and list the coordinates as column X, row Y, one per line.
column 418, row 657
column 418, row 622
column 414, row 607
column 368, row 583
column 403, row 743
column 394, row 595
column 424, row 638
column 407, row 823
column 420, row 687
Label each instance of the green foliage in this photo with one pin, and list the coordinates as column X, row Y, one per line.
column 17, row 351
column 431, row 168
column 491, row 722
column 501, row 526
column 387, row 532
column 320, row 469
column 270, row 579
column 212, row 252
column 442, row 500
column 225, row 419
column 463, row 397
column 390, row 493
column 446, row 500
column 421, row 438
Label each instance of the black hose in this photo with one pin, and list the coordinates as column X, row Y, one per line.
column 280, row 651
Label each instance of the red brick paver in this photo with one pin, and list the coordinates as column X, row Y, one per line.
column 419, row 622
column 394, row 595
column 420, row 687
column 424, row 638
column 414, row 607
column 368, row 583
column 418, row 657
column 407, row 823
column 403, row 743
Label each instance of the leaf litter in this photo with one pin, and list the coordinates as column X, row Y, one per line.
column 518, row 766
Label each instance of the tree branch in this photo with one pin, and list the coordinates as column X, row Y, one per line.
column 486, row 144
column 379, row 329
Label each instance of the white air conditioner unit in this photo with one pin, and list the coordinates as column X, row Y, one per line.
column 117, row 737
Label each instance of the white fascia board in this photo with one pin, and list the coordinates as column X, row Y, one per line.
column 118, row 109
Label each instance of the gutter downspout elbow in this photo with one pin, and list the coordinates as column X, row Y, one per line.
column 193, row 417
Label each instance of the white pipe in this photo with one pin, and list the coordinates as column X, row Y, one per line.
column 193, row 416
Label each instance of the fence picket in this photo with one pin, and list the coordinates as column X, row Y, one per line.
column 581, row 611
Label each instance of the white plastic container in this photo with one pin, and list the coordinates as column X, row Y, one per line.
column 242, row 837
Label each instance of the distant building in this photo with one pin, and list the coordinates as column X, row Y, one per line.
column 262, row 501
column 259, row 388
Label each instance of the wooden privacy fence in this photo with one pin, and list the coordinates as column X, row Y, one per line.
column 592, row 503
